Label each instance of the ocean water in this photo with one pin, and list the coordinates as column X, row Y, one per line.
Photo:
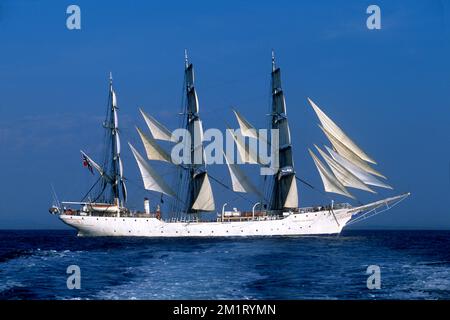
column 413, row 264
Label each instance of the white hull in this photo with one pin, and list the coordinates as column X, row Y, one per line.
column 311, row 223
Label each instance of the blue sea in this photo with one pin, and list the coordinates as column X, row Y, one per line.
column 413, row 265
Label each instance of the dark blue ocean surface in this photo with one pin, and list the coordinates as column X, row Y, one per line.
column 414, row 265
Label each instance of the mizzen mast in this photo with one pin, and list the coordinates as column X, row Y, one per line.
column 117, row 181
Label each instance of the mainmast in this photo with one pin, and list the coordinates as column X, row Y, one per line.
column 199, row 195
column 284, row 190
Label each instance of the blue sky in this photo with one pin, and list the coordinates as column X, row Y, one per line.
column 389, row 89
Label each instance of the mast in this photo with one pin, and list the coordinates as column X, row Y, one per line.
column 284, row 189
column 119, row 194
column 199, row 194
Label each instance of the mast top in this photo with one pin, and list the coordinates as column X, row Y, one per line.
column 110, row 78
column 273, row 60
column 186, row 61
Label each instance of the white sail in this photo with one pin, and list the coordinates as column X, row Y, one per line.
column 205, row 198
column 198, row 134
column 247, row 129
column 152, row 180
column 158, row 131
column 292, row 196
column 344, row 176
column 120, row 168
column 114, row 99
column 239, row 181
column 124, row 190
column 330, row 183
column 246, row 153
column 118, row 146
column 348, row 154
column 337, row 132
column 153, row 150
column 116, row 118
column 361, row 174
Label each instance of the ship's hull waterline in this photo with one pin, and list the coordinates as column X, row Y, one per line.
column 312, row 223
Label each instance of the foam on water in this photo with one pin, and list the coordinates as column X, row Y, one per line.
column 413, row 266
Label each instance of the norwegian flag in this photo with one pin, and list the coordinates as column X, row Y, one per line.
column 87, row 164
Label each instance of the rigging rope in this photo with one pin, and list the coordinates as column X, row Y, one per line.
column 227, row 187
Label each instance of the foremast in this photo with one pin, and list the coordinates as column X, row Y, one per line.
column 284, row 186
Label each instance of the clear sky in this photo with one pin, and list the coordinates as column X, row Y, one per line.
column 389, row 89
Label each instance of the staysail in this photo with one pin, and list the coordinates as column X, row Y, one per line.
column 348, row 154
column 158, row 131
column 348, row 163
column 330, row 183
column 152, row 180
column 247, row 129
column 343, row 175
column 247, row 153
column 337, row 133
column 239, row 180
column 153, row 150
column 284, row 189
column 199, row 192
column 357, row 171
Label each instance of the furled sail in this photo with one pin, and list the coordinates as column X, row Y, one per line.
column 361, row 174
column 239, row 181
column 348, row 154
column 153, row 150
column 338, row 134
column 118, row 177
column 152, row 180
column 284, row 190
column 158, row 131
column 344, row 176
column 330, row 183
column 114, row 99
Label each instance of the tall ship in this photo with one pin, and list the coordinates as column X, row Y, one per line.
column 193, row 211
